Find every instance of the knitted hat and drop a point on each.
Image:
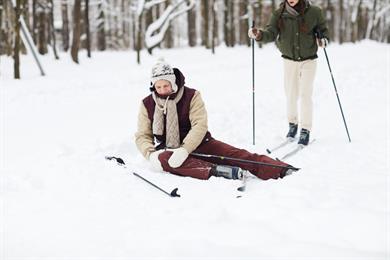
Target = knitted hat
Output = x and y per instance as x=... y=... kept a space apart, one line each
x=162 y=70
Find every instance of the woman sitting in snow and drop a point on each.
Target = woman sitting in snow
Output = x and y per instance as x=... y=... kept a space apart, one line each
x=175 y=116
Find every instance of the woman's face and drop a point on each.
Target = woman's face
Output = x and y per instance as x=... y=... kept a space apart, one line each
x=292 y=3
x=163 y=87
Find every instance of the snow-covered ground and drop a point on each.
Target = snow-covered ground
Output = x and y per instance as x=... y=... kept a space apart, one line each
x=61 y=200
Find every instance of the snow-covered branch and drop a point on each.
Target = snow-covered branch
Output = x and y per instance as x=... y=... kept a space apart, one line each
x=156 y=31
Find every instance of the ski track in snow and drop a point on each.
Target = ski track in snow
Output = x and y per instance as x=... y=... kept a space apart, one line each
x=61 y=200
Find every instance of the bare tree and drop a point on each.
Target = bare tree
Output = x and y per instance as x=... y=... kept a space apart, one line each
x=17 y=40
x=355 y=20
x=76 y=31
x=370 y=25
x=213 y=15
x=35 y=21
x=52 y=29
x=341 y=21
x=243 y=21
x=101 y=34
x=65 y=25
x=87 y=30
x=191 y=16
x=42 y=27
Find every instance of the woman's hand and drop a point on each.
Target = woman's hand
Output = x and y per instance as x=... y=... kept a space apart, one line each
x=155 y=162
x=178 y=157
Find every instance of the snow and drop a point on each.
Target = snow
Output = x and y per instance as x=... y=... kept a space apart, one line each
x=61 y=200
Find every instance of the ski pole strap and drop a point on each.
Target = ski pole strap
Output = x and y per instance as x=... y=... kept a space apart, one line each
x=244 y=161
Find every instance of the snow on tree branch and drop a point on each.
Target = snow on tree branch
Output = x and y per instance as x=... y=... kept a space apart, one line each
x=156 y=31
x=146 y=5
x=381 y=13
x=150 y=4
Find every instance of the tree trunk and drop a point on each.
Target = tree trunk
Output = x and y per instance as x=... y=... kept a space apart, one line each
x=355 y=22
x=370 y=26
x=205 y=23
x=53 y=30
x=228 y=23
x=244 y=39
x=341 y=21
x=138 y=45
x=1 y=28
x=17 y=40
x=329 y=16
x=76 y=31
x=35 y=21
x=214 y=27
x=169 y=34
x=101 y=34
x=87 y=31
x=9 y=29
x=65 y=25
x=232 y=36
x=125 y=24
x=42 y=32
x=191 y=16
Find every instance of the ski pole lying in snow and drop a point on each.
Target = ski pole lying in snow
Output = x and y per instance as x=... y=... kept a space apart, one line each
x=320 y=35
x=173 y=193
x=244 y=161
x=120 y=161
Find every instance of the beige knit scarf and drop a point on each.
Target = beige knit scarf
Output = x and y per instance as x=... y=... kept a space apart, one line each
x=167 y=107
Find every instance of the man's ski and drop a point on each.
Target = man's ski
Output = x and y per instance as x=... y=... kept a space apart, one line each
x=294 y=151
x=282 y=144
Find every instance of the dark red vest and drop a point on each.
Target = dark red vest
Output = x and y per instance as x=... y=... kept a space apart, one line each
x=183 y=112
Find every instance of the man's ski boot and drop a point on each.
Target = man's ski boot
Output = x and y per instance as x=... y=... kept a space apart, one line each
x=304 y=137
x=292 y=131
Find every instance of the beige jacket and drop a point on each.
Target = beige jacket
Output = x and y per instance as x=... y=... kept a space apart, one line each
x=198 y=117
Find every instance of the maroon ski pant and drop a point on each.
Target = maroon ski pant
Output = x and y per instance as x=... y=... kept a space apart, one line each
x=199 y=167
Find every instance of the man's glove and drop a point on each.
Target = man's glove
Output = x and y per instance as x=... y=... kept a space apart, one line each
x=255 y=34
x=178 y=157
x=323 y=42
x=155 y=162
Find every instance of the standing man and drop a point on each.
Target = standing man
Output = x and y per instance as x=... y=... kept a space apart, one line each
x=293 y=26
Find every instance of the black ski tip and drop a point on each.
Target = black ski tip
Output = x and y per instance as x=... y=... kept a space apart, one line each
x=268 y=151
x=174 y=193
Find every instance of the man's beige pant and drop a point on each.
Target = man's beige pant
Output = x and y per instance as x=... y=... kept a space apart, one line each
x=298 y=86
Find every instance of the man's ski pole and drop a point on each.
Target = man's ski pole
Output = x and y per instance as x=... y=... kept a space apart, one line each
x=320 y=35
x=244 y=161
x=253 y=87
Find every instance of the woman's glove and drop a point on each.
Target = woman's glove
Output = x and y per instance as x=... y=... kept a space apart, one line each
x=155 y=162
x=254 y=33
x=178 y=157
